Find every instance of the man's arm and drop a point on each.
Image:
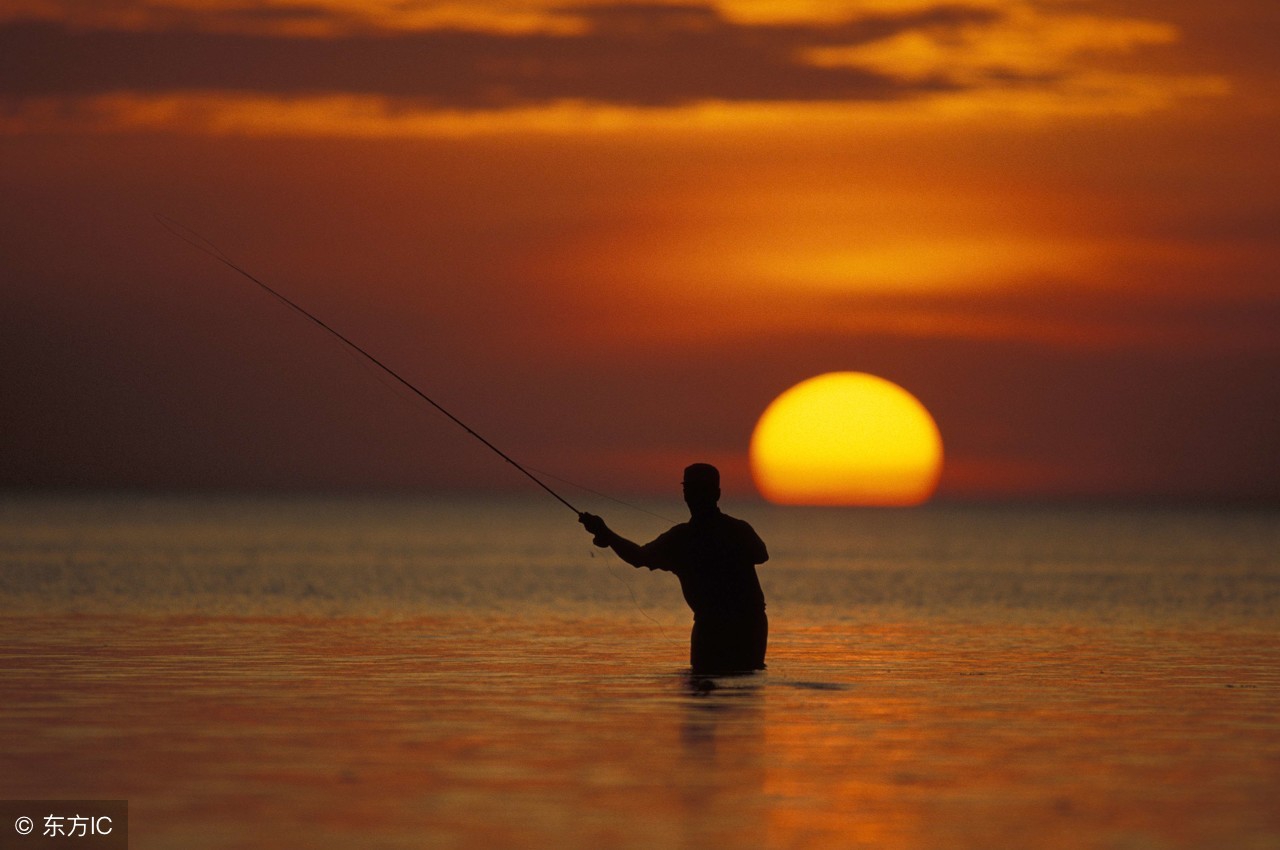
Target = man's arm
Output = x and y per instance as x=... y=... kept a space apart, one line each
x=607 y=538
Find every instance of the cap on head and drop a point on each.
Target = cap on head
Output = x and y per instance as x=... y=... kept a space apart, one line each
x=702 y=476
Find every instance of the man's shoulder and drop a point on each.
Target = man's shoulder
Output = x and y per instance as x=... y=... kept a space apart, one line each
x=672 y=534
x=744 y=536
x=721 y=524
x=737 y=524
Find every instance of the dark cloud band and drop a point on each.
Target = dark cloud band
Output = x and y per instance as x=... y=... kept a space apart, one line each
x=633 y=55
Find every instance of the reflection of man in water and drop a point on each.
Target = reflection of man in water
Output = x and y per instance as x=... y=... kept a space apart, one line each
x=715 y=558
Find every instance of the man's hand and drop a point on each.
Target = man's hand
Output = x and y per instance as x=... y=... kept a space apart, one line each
x=599 y=531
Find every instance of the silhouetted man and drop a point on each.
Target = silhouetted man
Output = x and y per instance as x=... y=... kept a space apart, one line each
x=715 y=557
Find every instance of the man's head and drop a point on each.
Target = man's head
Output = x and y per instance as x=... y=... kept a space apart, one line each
x=701 y=486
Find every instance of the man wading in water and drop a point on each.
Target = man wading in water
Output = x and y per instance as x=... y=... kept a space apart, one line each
x=715 y=557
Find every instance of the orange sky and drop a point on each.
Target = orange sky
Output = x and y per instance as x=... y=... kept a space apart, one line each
x=608 y=234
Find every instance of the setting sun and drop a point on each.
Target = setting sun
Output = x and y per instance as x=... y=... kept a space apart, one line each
x=846 y=438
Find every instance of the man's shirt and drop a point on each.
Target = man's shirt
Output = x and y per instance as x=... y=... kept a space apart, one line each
x=715 y=559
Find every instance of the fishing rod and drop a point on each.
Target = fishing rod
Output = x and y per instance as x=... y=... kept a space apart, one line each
x=197 y=241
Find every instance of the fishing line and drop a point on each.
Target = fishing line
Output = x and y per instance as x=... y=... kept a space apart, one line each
x=609 y=564
x=197 y=241
x=605 y=496
x=636 y=602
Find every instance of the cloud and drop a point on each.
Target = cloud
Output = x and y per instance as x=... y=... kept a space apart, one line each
x=640 y=55
x=329 y=68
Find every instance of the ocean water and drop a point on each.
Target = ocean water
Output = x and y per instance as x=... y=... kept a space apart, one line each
x=471 y=673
